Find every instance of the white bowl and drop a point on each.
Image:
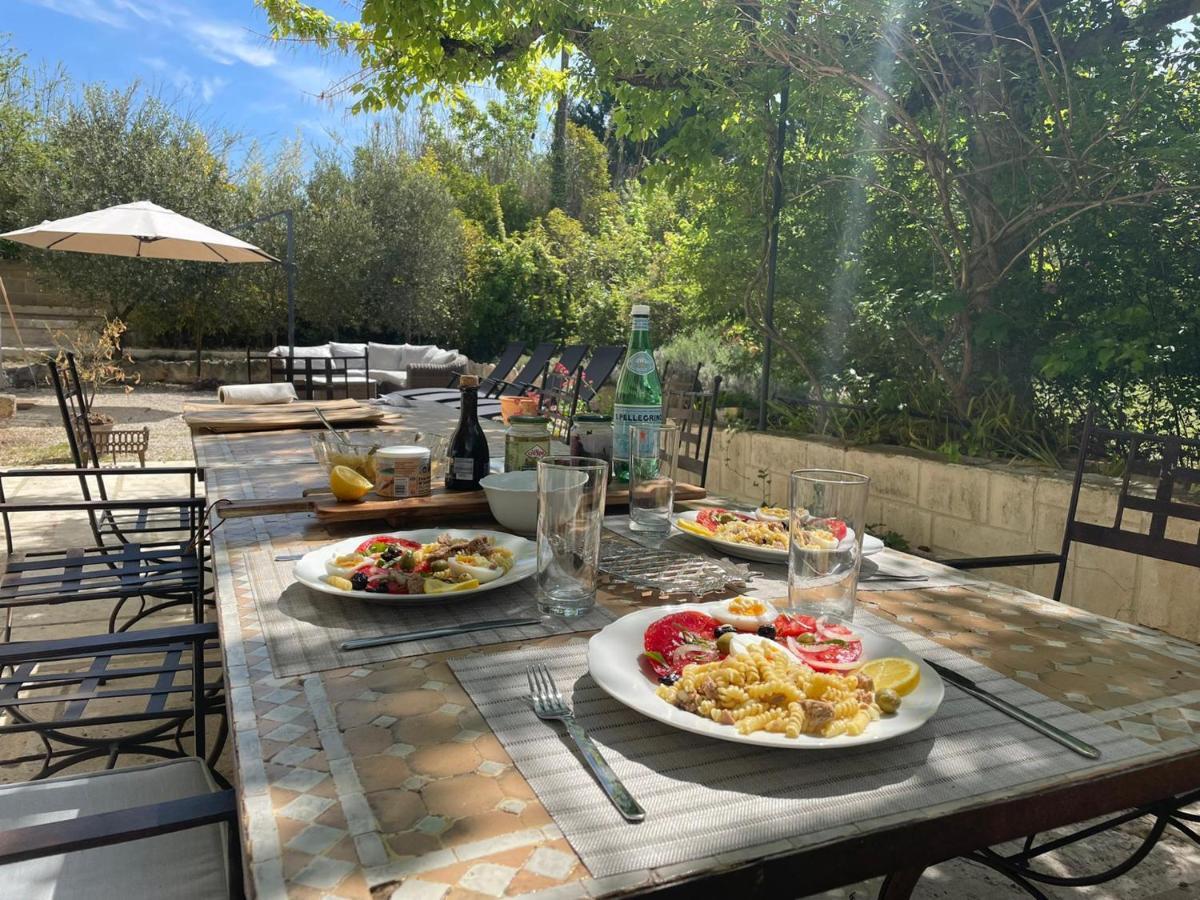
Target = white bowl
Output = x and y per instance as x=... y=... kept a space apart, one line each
x=513 y=499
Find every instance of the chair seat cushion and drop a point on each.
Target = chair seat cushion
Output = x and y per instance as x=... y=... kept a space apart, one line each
x=388 y=377
x=185 y=865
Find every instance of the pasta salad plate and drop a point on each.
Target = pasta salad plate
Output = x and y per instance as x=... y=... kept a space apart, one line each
x=739 y=670
x=756 y=537
x=429 y=565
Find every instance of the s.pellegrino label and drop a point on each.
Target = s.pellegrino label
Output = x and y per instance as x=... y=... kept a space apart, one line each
x=639 y=397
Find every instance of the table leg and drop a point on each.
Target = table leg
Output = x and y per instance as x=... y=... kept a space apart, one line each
x=899 y=884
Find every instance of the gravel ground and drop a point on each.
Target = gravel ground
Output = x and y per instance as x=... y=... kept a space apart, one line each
x=35 y=435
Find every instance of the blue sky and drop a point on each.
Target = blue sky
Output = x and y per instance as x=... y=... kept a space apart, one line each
x=211 y=57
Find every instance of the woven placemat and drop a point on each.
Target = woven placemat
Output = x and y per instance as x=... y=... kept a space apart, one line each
x=303 y=628
x=706 y=797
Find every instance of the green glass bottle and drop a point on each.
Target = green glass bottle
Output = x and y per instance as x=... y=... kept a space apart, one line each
x=639 y=391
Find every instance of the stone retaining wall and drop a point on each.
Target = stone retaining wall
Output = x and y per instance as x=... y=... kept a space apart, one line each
x=978 y=509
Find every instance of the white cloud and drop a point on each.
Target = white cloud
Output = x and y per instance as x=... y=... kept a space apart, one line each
x=305 y=78
x=88 y=10
x=209 y=87
x=227 y=43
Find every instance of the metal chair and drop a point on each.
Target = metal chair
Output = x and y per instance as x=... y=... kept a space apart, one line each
x=325 y=377
x=125 y=831
x=158 y=575
x=1157 y=475
x=598 y=370
x=695 y=411
x=143 y=525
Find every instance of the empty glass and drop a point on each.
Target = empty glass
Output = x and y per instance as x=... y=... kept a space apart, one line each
x=653 y=455
x=827 y=513
x=571 y=494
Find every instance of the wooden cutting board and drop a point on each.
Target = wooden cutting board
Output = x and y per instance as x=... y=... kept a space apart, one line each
x=441 y=504
x=216 y=418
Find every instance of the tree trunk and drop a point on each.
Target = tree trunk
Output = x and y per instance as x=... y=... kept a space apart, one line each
x=558 y=148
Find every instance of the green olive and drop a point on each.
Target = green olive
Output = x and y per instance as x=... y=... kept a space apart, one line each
x=888 y=701
x=439 y=565
x=725 y=518
x=408 y=562
x=806 y=637
x=725 y=642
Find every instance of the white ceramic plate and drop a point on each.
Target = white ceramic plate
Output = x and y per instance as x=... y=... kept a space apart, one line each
x=613 y=660
x=310 y=568
x=871 y=544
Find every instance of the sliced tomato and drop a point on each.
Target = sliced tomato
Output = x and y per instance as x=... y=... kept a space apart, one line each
x=835 y=631
x=381 y=542
x=670 y=643
x=834 y=656
x=707 y=518
x=836 y=527
x=788 y=625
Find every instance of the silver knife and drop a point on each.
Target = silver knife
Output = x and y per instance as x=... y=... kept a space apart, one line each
x=966 y=685
x=405 y=637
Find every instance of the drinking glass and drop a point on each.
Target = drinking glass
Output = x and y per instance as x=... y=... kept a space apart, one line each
x=571 y=493
x=827 y=513
x=653 y=455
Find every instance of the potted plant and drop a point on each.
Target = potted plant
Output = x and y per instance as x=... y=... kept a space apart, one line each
x=100 y=362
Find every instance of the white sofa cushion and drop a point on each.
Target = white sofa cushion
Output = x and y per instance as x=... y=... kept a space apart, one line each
x=386 y=356
x=340 y=350
x=443 y=357
x=319 y=352
x=185 y=865
x=389 y=377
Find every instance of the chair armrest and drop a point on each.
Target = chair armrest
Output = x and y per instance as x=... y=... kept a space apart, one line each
x=92 y=470
x=996 y=562
x=119 y=826
x=15 y=653
x=196 y=503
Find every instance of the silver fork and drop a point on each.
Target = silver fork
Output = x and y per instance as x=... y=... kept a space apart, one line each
x=548 y=703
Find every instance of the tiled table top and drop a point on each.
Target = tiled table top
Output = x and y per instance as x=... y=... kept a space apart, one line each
x=385 y=781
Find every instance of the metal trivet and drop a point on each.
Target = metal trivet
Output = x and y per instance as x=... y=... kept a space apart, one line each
x=670 y=571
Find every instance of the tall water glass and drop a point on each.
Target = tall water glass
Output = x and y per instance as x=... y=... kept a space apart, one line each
x=828 y=509
x=653 y=456
x=571 y=492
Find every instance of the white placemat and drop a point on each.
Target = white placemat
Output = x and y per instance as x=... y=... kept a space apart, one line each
x=704 y=797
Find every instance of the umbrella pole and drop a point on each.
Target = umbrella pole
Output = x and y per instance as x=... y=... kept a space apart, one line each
x=290 y=262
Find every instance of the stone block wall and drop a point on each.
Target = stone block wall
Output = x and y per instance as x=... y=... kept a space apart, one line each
x=980 y=509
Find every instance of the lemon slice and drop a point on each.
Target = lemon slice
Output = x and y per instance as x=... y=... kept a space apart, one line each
x=437 y=586
x=898 y=674
x=347 y=484
x=688 y=525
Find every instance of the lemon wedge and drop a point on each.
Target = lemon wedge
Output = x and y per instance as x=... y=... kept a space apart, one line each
x=688 y=525
x=894 y=673
x=437 y=586
x=347 y=484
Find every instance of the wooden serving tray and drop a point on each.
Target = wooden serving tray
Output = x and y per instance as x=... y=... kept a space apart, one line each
x=215 y=418
x=441 y=504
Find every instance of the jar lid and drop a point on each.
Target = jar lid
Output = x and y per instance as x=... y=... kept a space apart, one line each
x=528 y=420
x=592 y=417
x=405 y=452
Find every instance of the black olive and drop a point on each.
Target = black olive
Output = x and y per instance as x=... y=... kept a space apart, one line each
x=358 y=581
x=723 y=629
x=767 y=631
x=390 y=553
x=669 y=679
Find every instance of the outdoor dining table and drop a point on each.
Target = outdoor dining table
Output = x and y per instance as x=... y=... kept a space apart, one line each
x=377 y=775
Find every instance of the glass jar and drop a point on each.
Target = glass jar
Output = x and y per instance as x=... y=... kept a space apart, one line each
x=526 y=441
x=403 y=472
x=592 y=436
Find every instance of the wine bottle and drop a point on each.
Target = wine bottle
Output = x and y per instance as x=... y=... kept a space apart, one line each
x=467 y=455
x=639 y=391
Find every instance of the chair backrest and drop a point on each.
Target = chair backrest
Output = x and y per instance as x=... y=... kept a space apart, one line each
x=503 y=367
x=318 y=378
x=1159 y=483
x=599 y=369
x=695 y=413
x=73 y=408
x=539 y=358
x=681 y=378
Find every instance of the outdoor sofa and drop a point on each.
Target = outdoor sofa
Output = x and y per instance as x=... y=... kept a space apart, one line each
x=360 y=369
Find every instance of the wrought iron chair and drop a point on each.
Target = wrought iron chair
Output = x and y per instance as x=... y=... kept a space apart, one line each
x=599 y=369
x=158 y=575
x=124 y=831
x=561 y=397
x=1157 y=475
x=325 y=378
x=695 y=411
x=142 y=525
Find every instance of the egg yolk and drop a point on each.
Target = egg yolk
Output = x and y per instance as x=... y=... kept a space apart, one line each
x=747 y=607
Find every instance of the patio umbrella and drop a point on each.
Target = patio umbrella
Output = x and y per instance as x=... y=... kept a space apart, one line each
x=142 y=229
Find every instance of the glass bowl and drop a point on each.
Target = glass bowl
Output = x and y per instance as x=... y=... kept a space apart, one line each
x=358 y=453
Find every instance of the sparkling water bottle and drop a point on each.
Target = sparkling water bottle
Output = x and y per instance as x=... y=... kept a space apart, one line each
x=639 y=391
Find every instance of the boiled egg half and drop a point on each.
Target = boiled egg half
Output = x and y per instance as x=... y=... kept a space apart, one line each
x=343 y=566
x=744 y=613
x=739 y=645
x=478 y=567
